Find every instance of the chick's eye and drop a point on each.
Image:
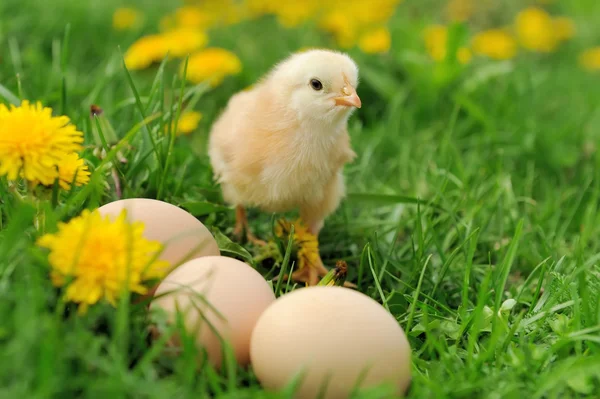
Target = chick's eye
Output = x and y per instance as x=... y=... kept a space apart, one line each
x=316 y=84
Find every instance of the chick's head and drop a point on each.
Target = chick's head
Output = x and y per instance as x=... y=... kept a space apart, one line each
x=319 y=84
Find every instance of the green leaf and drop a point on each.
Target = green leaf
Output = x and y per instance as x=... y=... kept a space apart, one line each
x=381 y=80
x=200 y=208
x=581 y=383
x=388 y=199
x=559 y=324
x=507 y=263
x=9 y=96
x=507 y=305
x=230 y=248
x=451 y=329
x=458 y=34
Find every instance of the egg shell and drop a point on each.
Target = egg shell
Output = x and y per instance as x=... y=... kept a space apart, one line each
x=321 y=330
x=183 y=236
x=238 y=293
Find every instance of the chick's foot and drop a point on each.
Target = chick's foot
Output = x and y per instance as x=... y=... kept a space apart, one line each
x=311 y=274
x=241 y=226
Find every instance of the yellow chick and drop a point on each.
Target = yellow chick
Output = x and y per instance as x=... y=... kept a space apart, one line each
x=282 y=145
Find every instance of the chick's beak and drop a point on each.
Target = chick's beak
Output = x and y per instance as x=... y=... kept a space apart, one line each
x=349 y=98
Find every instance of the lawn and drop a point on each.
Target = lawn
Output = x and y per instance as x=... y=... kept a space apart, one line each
x=471 y=214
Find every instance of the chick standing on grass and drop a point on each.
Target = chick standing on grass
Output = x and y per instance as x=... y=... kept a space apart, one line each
x=283 y=144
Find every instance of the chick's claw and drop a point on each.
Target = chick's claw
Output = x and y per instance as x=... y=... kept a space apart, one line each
x=312 y=273
x=310 y=265
x=255 y=240
x=307 y=275
x=251 y=238
x=241 y=226
x=311 y=277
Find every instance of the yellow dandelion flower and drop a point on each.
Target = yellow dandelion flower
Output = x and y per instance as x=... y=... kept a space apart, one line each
x=72 y=167
x=33 y=142
x=347 y=20
x=308 y=251
x=307 y=243
x=233 y=15
x=590 y=59
x=225 y=12
x=364 y=13
x=166 y=23
x=183 y=41
x=535 y=30
x=146 y=51
x=495 y=43
x=177 y=42
x=464 y=55
x=564 y=28
x=236 y=15
x=436 y=42
x=342 y=27
x=125 y=18
x=97 y=258
x=205 y=14
x=213 y=65
x=436 y=37
x=460 y=10
x=188 y=122
x=376 y=41
x=290 y=14
x=257 y=8
x=193 y=17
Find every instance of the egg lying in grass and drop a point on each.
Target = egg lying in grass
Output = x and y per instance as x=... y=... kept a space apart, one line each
x=219 y=298
x=183 y=236
x=332 y=338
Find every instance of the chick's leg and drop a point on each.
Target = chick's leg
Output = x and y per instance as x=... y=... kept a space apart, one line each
x=240 y=221
x=241 y=225
x=313 y=216
x=315 y=269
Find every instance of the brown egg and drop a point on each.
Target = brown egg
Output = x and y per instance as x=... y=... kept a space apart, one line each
x=337 y=336
x=233 y=290
x=184 y=236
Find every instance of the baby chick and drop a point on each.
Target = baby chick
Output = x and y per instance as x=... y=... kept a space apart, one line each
x=282 y=145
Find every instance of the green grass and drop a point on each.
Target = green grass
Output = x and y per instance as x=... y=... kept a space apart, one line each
x=472 y=212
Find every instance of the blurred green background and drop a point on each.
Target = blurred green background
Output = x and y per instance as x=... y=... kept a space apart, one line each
x=494 y=138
